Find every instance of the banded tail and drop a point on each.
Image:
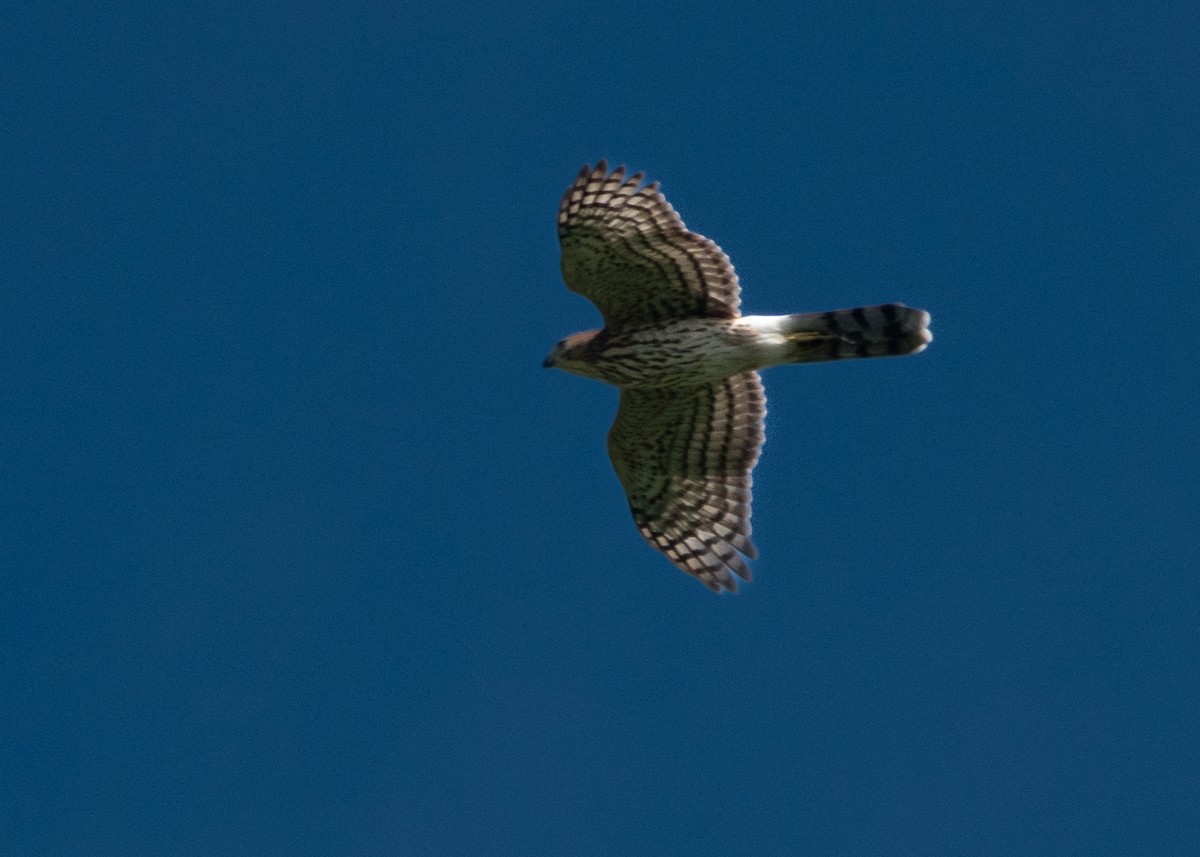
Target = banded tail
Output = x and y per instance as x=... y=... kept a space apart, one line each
x=887 y=330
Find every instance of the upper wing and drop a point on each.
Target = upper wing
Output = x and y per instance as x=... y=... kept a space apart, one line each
x=684 y=458
x=625 y=249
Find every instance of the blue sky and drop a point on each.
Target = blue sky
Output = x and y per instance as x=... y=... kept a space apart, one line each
x=306 y=554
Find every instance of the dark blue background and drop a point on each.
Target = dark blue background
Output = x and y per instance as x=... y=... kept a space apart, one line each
x=304 y=554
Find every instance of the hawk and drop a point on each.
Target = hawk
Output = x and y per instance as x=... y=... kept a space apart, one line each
x=689 y=426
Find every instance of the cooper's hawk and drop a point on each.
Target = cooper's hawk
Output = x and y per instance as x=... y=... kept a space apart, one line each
x=690 y=423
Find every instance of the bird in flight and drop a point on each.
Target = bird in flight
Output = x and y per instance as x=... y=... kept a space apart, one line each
x=689 y=426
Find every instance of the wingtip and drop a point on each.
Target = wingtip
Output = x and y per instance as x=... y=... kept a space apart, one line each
x=601 y=171
x=720 y=584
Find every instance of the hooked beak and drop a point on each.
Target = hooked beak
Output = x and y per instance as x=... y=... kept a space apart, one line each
x=548 y=363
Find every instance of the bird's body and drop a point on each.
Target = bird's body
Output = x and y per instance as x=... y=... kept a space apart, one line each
x=691 y=351
x=690 y=424
x=679 y=353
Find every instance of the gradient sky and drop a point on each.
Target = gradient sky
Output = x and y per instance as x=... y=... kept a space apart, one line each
x=304 y=553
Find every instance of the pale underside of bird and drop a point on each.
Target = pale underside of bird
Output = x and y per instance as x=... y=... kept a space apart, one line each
x=689 y=426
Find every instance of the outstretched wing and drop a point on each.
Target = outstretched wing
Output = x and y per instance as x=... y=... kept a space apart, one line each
x=684 y=457
x=626 y=250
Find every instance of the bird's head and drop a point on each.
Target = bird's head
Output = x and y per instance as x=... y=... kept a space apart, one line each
x=572 y=354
